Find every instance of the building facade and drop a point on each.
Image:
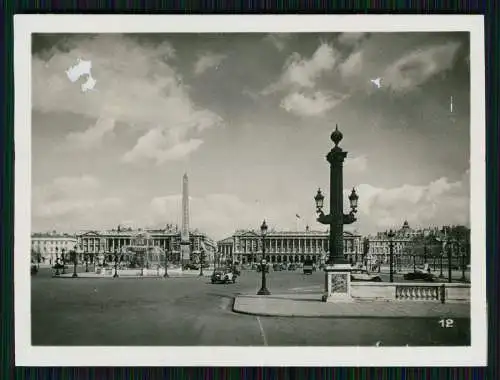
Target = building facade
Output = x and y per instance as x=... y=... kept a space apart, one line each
x=51 y=245
x=245 y=246
x=167 y=240
x=404 y=248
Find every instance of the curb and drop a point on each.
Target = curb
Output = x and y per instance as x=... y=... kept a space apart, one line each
x=348 y=316
x=123 y=277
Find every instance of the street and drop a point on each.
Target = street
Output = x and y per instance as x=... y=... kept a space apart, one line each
x=192 y=311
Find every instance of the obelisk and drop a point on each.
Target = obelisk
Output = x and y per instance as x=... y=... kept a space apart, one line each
x=185 y=244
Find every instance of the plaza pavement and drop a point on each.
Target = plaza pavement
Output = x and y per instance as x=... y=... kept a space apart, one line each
x=190 y=311
x=309 y=305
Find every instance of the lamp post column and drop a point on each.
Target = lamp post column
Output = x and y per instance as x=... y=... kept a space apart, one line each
x=450 y=245
x=166 y=265
x=390 y=235
x=74 y=263
x=263 y=289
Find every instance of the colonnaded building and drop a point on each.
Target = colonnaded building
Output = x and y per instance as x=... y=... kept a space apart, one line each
x=46 y=246
x=165 y=241
x=245 y=246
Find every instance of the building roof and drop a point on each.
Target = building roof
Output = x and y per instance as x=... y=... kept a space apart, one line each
x=275 y=233
x=53 y=235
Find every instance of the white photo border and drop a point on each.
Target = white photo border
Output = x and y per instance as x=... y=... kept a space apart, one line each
x=28 y=355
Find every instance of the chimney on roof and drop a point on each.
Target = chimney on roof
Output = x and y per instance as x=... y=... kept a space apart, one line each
x=307 y=228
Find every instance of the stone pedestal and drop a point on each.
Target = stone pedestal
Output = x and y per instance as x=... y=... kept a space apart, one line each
x=337 y=283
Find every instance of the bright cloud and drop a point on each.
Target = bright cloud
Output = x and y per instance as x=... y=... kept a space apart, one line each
x=207 y=61
x=93 y=136
x=437 y=203
x=352 y=66
x=419 y=66
x=70 y=196
x=303 y=104
x=138 y=86
x=350 y=39
x=279 y=40
x=357 y=164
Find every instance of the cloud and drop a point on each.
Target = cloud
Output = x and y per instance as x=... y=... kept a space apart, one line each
x=207 y=61
x=314 y=104
x=279 y=40
x=93 y=136
x=357 y=164
x=71 y=196
x=220 y=214
x=419 y=66
x=352 y=66
x=161 y=146
x=352 y=38
x=438 y=203
x=299 y=72
x=137 y=85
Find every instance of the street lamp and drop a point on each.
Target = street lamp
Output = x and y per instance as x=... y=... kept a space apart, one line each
x=74 y=262
x=263 y=289
x=116 y=264
x=441 y=265
x=336 y=219
x=166 y=265
x=391 y=235
x=202 y=257
x=86 y=256
x=462 y=263
x=449 y=252
x=63 y=261
x=57 y=261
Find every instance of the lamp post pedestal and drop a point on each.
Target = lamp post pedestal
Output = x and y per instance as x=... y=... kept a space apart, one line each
x=337 y=283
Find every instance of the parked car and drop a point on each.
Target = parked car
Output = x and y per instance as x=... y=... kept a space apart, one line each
x=419 y=275
x=283 y=266
x=292 y=267
x=223 y=277
x=364 y=275
x=308 y=267
x=276 y=267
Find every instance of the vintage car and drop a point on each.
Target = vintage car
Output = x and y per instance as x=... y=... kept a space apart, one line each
x=292 y=267
x=423 y=273
x=277 y=267
x=419 y=275
x=364 y=275
x=308 y=267
x=223 y=277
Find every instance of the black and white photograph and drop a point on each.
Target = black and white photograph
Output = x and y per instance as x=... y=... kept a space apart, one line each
x=237 y=190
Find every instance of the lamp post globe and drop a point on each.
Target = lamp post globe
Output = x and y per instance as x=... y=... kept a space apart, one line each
x=263 y=263
x=353 y=200
x=319 y=199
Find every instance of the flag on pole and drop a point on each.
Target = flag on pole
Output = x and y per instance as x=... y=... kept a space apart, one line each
x=297 y=216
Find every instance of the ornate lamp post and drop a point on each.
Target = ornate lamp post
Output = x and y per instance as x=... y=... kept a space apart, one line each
x=263 y=289
x=63 y=261
x=441 y=265
x=86 y=258
x=165 y=275
x=391 y=235
x=462 y=263
x=75 y=259
x=449 y=252
x=57 y=261
x=336 y=219
x=202 y=261
x=116 y=264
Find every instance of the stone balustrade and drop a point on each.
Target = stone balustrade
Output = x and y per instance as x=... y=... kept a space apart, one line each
x=437 y=292
x=418 y=292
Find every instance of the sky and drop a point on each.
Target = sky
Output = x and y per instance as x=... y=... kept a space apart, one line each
x=248 y=117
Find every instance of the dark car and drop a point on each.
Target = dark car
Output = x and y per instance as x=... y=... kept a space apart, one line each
x=419 y=275
x=223 y=277
x=308 y=267
x=292 y=267
x=364 y=275
x=276 y=267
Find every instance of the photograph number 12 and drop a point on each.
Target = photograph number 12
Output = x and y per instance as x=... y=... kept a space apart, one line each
x=229 y=191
